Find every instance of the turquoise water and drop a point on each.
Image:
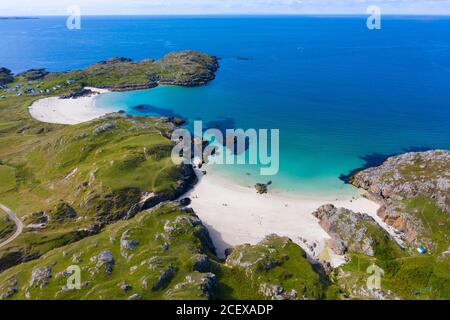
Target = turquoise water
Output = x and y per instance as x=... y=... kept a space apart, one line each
x=336 y=90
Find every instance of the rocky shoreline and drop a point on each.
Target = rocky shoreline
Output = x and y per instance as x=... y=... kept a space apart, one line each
x=407 y=176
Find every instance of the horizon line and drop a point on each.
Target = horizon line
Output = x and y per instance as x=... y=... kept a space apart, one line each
x=229 y=14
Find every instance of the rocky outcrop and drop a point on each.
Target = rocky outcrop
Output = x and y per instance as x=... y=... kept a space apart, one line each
x=176 y=121
x=135 y=297
x=127 y=244
x=272 y=270
x=276 y=292
x=77 y=93
x=104 y=263
x=261 y=188
x=129 y=86
x=9 y=288
x=195 y=286
x=184 y=225
x=114 y=60
x=410 y=175
x=407 y=176
x=6 y=76
x=37 y=218
x=33 y=74
x=104 y=127
x=62 y=212
x=187 y=68
x=355 y=232
x=201 y=263
x=159 y=275
x=40 y=277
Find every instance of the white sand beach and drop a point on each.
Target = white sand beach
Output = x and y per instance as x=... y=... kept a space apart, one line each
x=236 y=215
x=67 y=111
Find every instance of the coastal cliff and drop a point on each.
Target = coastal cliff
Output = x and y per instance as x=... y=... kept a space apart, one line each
x=407 y=186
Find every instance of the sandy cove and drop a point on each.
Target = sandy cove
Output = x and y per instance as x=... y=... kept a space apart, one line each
x=67 y=111
x=236 y=214
x=232 y=213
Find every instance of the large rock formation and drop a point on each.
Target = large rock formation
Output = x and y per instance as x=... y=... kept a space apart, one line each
x=33 y=74
x=278 y=269
x=355 y=232
x=6 y=76
x=414 y=175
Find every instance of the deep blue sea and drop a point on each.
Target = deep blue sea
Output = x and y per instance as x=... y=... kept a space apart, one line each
x=336 y=90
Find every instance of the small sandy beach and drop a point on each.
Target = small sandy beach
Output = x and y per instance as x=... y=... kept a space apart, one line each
x=236 y=214
x=67 y=111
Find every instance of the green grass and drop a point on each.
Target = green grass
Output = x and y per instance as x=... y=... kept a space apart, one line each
x=274 y=261
x=99 y=175
x=410 y=275
x=184 y=241
x=234 y=284
x=435 y=221
x=7 y=178
x=144 y=228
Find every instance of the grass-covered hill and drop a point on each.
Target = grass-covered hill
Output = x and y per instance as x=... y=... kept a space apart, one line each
x=72 y=181
x=166 y=253
x=68 y=182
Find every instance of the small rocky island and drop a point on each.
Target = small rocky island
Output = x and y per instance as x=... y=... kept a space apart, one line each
x=182 y=68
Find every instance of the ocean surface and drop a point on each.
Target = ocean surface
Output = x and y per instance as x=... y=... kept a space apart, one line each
x=338 y=92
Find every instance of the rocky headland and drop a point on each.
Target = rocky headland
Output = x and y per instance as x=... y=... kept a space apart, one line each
x=424 y=176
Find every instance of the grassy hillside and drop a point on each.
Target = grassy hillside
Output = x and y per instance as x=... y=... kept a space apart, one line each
x=407 y=274
x=276 y=268
x=67 y=182
x=79 y=178
x=414 y=191
x=164 y=253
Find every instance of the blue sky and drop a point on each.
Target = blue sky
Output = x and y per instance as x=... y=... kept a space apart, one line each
x=149 y=7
